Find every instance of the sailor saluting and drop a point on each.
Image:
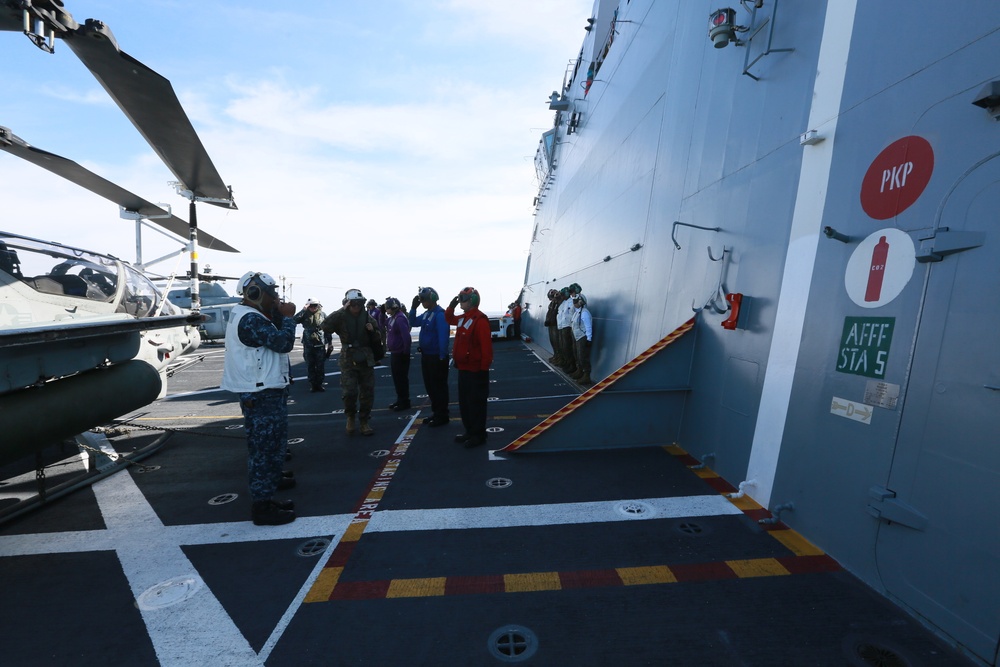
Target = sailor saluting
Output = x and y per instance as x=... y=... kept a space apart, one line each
x=259 y=337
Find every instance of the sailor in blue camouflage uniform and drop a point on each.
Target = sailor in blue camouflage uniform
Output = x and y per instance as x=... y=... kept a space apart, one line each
x=315 y=343
x=260 y=334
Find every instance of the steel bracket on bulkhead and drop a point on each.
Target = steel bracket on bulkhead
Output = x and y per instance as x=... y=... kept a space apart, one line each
x=887 y=507
x=943 y=242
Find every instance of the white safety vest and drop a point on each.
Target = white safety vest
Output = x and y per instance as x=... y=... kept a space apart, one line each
x=564 y=316
x=251 y=369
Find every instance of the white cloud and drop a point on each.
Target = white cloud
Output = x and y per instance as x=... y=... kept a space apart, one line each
x=391 y=155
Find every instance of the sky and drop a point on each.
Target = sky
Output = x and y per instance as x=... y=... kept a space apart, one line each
x=382 y=145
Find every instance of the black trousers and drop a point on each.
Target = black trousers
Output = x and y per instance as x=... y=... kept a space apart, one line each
x=582 y=351
x=566 y=342
x=435 y=372
x=399 y=364
x=473 y=390
x=315 y=357
x=554 y=340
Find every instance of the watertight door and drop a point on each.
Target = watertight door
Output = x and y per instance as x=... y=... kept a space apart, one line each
x=938 y=545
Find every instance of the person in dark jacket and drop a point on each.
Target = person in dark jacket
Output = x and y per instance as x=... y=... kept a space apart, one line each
x=555 y=299
x=377 y=313
x=398 y=344
x=473 y=356
x=515 y=314
x=314 y=343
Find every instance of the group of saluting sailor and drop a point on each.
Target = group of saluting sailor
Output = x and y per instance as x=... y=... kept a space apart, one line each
x=571 y=332
x=261 y=333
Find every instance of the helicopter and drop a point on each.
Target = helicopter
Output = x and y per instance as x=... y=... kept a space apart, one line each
x=216 y=304
x=84 y=336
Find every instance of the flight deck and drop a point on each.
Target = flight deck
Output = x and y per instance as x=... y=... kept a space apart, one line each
x=410 y=549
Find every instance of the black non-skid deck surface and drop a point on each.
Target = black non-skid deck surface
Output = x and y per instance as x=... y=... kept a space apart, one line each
x=540 y=559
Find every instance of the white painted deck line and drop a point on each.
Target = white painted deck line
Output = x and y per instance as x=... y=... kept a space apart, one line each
x=197 y=631
x=129 y=533
x=208 y=533
x=511 y=516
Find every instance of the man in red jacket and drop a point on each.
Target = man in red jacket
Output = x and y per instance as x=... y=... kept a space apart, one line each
x=473 y=355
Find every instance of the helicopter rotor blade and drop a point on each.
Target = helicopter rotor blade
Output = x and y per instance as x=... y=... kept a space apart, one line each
x=149 y=101
x=87 y=179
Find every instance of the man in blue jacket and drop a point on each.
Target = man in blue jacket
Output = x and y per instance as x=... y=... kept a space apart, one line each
x=433 y=346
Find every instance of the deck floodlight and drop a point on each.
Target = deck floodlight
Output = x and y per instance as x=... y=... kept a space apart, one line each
x=557 y=103
x=590 y=25
x=722 y=27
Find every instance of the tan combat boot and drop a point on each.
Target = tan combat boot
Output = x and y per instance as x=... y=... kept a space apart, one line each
x=350 y=424
x=365 y=428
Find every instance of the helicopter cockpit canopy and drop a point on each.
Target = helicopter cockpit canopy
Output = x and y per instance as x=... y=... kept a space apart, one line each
x=51 y=268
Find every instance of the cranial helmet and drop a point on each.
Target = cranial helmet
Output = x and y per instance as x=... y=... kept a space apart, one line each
x=564 y=292
x=469 y=294
x=553 y=293
x=581 y=299
x=428 y=294
x=371 y=304
x=354 y=295
x=392 y=303
x=575 y=288
x=253 y=285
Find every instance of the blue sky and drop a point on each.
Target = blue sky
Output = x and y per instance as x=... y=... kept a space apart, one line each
x=378 y=145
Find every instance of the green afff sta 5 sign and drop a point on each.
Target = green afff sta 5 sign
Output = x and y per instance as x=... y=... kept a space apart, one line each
x=864 y=346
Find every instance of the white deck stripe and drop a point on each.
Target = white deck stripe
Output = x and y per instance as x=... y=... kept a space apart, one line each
x=197 y=631
x=507 y=516
x=510 y=516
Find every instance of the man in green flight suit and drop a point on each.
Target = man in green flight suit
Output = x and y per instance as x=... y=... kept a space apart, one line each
x=355 y=328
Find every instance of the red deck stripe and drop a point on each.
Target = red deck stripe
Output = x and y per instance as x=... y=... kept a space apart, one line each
x=590 y=579
x=474 y=585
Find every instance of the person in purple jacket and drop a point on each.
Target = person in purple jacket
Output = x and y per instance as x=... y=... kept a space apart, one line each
x=398 y=344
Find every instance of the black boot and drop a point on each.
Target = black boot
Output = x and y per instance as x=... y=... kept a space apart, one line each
x=266 y=513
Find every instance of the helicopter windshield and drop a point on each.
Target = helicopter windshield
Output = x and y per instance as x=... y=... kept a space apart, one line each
x=142 y=297
x=55 y=269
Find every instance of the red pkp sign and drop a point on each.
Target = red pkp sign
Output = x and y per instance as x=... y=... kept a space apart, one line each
x=897 y=177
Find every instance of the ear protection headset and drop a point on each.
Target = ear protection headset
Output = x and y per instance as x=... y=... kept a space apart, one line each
x=253 y=293
x=255 y=287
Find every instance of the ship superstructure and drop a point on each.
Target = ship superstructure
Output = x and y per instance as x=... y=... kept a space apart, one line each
x=815 y=183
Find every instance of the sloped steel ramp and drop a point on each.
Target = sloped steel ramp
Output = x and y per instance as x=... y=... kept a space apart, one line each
x=655 y=383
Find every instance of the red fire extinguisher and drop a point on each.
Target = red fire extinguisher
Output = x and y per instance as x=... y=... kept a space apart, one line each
x=877 y=272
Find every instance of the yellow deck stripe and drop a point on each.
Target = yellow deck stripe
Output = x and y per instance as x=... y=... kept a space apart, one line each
x=534 y=581
x=640 y=576
x=323 y=587
x=797 y=544
x=758 y=567
x=416 y=588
